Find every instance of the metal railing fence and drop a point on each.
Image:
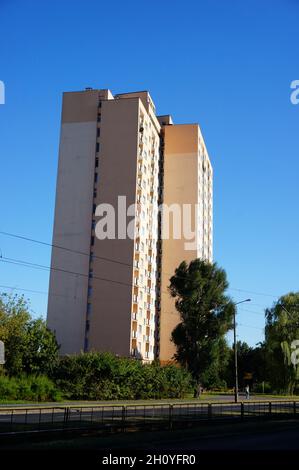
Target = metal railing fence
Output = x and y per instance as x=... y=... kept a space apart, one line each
x=116 y=418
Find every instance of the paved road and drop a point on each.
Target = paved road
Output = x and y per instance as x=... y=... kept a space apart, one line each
x=286 y=439
x=77 y=416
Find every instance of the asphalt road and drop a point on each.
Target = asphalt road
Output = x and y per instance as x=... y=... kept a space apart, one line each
x=278 y=440
x=106 y=414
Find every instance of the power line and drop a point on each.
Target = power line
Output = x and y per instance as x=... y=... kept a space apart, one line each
x=250 y=326
x=36 y=266
x=255 y=293
x=61 y=295
x=258 y=305
x=250 y=311
x=27 y=264
x=32 y=291
x=46 y=293
x=33 y=240
x=21 y=263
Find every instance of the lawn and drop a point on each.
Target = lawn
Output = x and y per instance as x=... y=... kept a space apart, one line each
x=210 y=397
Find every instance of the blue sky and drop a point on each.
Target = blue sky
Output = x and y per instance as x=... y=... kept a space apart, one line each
x=225 y=64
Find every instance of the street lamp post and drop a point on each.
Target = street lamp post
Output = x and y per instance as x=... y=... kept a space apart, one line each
x=236 y=352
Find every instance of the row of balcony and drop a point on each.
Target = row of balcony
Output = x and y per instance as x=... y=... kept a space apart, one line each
x=135 y=318
x=135 y=353
x=136 y=335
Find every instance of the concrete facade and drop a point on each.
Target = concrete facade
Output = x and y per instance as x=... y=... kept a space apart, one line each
x=111 y=294
x=184 y=157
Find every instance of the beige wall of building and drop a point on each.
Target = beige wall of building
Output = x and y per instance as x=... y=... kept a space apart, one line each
x=111 y=302
x=73 y=210
x=184 y=157
x=111 y=147
x=121 y=315
x=180 y=187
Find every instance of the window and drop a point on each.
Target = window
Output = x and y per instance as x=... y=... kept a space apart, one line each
x=89 y=292
x=94 y=208
x=97 y=162
x=97 y=147
x=95 y=177
x=87 y=325
x=98 y=132
x=92 y=241
x=99 y=118
x=88 y=311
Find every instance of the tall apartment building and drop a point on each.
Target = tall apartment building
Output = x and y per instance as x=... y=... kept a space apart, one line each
x=110 y=294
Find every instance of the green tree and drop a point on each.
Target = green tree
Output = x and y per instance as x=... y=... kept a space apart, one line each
x=206 y=315
x=251 y=360
x=30 y=347
x=41 y=349
x=282 y=328
x=14 y=318
x=215 y=375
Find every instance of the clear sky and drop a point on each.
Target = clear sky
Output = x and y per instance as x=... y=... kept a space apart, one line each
x=225 y=64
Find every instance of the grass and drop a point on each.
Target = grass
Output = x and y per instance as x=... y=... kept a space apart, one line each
x=210 y=396
x=16 y=402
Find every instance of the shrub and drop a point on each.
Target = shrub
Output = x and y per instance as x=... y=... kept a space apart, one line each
x=8 y=388
x=29 y=388
x=260 y=388
x=103 y=376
